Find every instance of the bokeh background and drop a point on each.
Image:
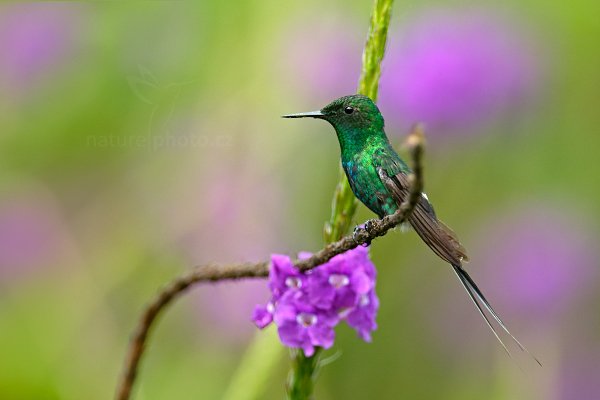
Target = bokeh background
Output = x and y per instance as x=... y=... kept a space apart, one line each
x=138 y=139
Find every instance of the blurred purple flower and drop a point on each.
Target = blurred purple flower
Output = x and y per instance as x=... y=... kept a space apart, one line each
x=32 y=233
x=579 y=373
x=34 y=37
x=307 y=306
x=238 y=216
x=456 y=71
x=225 y=307
x=239 y=203
x=538 y=260
x=321 y=58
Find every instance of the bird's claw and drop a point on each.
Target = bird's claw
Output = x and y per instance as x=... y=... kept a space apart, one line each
x=357 y=231
x=367 y=227
x=370 y=224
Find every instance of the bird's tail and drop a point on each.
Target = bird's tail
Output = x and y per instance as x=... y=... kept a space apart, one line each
x=444 y=242
x=479 y=299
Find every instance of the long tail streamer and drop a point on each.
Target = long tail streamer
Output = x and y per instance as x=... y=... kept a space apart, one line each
x=477 y=297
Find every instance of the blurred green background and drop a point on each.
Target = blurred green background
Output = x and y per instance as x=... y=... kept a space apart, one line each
x=138 y=139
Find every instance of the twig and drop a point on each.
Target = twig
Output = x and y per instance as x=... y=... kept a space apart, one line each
x=205 y=273
x=215 y=273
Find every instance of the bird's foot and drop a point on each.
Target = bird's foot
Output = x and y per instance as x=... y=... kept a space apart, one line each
x=367 y=227
x=357 y=230
x=370 y=224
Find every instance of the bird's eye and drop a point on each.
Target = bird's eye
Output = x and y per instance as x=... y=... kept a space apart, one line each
x=349 y=110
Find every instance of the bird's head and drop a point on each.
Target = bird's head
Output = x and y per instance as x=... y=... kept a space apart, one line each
x=348 y=115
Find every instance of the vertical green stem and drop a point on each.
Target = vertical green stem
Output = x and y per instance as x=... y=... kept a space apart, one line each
x=302 y=376
x=344 y=203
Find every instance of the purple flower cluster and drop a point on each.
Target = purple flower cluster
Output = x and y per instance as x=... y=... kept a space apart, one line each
x=459 y=71
x=307 y=306
x=35 y=38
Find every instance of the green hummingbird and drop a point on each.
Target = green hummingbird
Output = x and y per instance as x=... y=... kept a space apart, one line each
x=379 y=179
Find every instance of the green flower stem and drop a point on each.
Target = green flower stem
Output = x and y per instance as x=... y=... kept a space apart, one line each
x=302 y=376
x=344 y=202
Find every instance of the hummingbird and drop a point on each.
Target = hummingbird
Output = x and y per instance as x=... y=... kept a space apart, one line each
x=379 y=179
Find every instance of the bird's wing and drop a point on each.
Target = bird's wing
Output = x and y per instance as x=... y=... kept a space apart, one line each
x=441 y=239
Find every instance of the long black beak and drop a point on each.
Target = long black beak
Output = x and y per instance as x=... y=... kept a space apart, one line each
x=311 y=114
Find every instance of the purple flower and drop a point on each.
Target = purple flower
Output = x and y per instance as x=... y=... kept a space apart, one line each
x=34 y=38
x=284 y=277
x=538 y=260
x=225 y=307
x=457 y=72
x=578 y=373
x=338 y=284
x=229 y=230
x=33 y=233
x=362 y=318
x=225 y=225
x=307 y=306
x=303 y=325
x=263 y=315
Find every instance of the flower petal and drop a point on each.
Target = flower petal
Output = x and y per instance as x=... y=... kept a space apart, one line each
x=262 y=316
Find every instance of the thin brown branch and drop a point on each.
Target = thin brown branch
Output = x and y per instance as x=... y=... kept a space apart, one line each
x=205 y=273
x=214 y=273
